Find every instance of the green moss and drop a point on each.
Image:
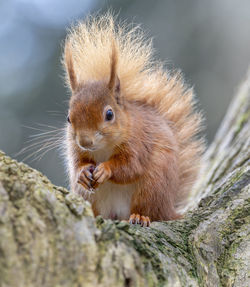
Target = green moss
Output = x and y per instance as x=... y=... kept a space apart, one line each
x=243 y=118
x=229 y=234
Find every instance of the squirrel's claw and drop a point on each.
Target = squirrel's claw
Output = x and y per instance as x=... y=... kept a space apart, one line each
x=102 y=173
x=85 y=179
x=144 y=221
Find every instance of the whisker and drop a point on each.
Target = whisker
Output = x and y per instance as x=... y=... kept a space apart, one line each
x=37 y=142
x=43 y=130
x=34 y=145
x=46 y=133
x=48 y=137
x=32 y=128
x=47 y=126
x=56 y=112
x=46 y=147
x=39 y=157
x=56 y=145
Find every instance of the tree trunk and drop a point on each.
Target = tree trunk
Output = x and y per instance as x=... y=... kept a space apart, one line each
x=49 y=237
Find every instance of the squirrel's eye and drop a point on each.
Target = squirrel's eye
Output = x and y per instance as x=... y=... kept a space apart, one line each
x=68 y=119
x=109 y=115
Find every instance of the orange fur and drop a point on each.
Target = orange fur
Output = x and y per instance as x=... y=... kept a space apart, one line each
x=151 y=147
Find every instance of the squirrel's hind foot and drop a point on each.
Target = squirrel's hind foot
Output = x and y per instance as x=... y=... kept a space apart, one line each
x=144 y=221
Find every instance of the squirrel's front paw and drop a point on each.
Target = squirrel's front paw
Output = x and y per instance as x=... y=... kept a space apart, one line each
x=102 y=172
x=85 y=177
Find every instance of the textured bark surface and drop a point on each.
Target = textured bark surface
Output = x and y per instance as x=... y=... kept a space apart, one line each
x=49 y=237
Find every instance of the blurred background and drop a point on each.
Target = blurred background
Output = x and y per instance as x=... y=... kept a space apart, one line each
x=208 y=40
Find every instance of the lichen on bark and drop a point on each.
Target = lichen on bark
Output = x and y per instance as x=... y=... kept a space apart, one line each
x=49 y=237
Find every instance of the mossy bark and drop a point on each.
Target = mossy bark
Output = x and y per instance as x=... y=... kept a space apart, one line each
x=49 y=237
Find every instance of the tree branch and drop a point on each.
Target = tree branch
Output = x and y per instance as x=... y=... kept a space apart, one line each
x=49 y=237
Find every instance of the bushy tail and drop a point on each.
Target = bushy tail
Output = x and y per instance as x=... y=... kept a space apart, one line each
x=142 y=78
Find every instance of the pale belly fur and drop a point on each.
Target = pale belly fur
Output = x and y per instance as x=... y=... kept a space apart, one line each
x=113 y=200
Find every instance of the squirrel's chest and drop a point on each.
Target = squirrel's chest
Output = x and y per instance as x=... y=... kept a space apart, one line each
x=113 y=200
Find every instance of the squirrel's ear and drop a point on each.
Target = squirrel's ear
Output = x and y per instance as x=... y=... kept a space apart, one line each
x=114 y=81
x=69 y=66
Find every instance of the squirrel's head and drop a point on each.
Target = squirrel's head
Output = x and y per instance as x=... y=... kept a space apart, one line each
x=96 y=118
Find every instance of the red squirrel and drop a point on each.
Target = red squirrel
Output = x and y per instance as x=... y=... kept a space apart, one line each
x=132 y=144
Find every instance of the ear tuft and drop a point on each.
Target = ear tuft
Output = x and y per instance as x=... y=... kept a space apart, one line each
x=117 y=85
x=117 y=90
x=114 y=81
x=113 y=72
x=69 y=66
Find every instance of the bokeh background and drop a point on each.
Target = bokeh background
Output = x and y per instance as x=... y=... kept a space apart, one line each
x=208 y=40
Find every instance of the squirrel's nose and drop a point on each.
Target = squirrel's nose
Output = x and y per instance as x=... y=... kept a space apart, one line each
x=85 y=142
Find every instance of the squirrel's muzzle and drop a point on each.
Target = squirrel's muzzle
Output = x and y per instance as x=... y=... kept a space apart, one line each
x=85 y=142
